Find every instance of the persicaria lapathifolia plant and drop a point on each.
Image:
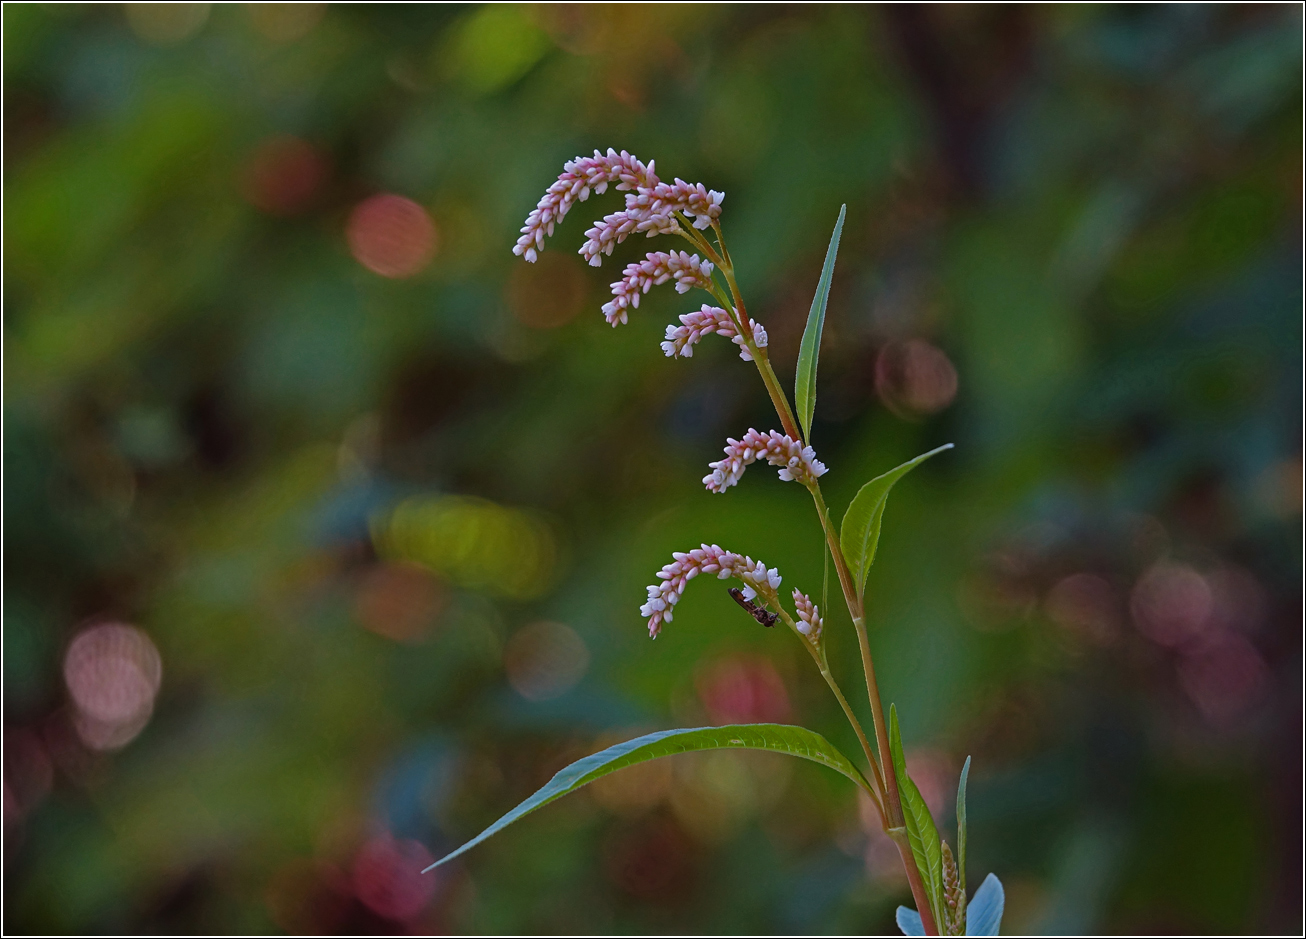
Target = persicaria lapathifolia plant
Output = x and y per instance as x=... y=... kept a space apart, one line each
x=936 y=872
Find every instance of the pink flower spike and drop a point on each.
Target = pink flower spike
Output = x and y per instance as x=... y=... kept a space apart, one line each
x=689 y=271
x=796 y=461
x=580 y=177
x=680 y=339
x=673 y=577
x=809 y=616
x=651 y=206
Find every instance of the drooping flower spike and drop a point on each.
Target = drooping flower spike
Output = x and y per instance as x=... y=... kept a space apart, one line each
x=796 y=461
x=651 y=205
x=707 y=559
x=652 y=211
x=689 y=271
x=579 y=178
x=711 y=319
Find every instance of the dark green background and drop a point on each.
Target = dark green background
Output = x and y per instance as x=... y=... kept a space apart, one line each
x=211 y=409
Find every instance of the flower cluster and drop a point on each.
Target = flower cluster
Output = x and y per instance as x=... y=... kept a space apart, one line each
x=689 y=270
x=651 y=205
x=711 y=319
x=809 y=616
x=579 y=178
x=796 y=461
x=707 y=559
x=652 y=210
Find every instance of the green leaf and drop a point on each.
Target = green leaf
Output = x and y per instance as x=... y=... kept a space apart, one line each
x=810 y=349
x=860 y=532
x=922 y=834
x=961 y=825
x=779 y=738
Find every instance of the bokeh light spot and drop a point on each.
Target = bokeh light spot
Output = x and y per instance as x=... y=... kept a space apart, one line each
x=914 y=378
x=472 y=542
x=112 y=671
x=545 y=660
x=282 y=175
x=1171 y=603
x=165 y=24
x=399 y=600
x=388 y=877
x=743 y=690
x=285 y=22
x=391 y=236
x=1086 y=606
x=1225 y=678
x=495 y=46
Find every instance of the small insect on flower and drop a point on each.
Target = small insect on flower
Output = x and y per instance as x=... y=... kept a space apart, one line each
x=762 y=615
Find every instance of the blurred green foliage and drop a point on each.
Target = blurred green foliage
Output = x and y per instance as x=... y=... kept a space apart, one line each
x=1073 y=247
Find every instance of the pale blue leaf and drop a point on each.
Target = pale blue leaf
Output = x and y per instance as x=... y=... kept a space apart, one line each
x=909 y=921
x=961 y=825
x=984 y=912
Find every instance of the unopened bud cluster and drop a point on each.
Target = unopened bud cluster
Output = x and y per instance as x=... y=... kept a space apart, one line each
x=707 y=559
x=689 y=271
x=809 y=616
x=579 y=178
x=954 y=905
x=652 y=211
x=651 y=205
x=712 y=319
x=796 y=461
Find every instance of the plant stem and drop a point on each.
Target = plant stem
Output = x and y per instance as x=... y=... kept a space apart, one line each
x=694 y=237
x=887 y=782
x=818 y=656
x=778 y=398
x=878 y=796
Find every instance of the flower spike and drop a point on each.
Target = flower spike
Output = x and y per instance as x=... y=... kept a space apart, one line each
x=651 y=205
x=809 y=617
x=689 y=270
x=757 y=578
x=694 y=326
x=579 y=178
x=796 y=461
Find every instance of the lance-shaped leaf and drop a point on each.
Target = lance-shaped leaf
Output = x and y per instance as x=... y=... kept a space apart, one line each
x=778 y=738
x=809 y=351
x=922 y=834
x=961 y=829
x=860 y=532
